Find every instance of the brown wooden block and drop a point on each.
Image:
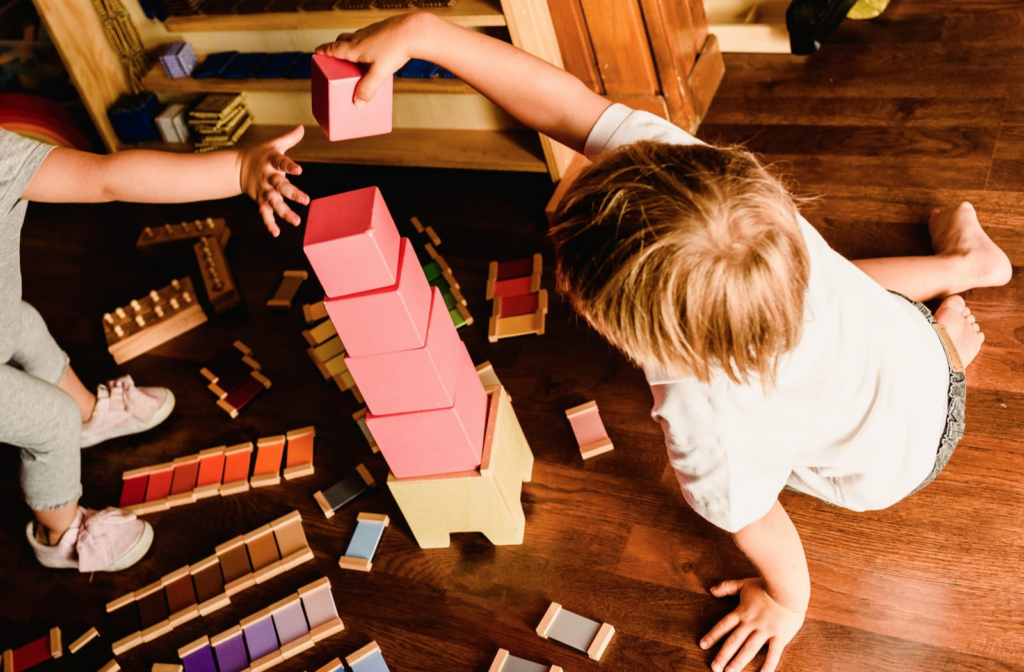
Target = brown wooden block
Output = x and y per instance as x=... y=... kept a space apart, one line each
x=216 y=274
x=286 y=291
x=155 y=239
x=314 y=312
x=234 y=565
x=87 y=636
x=152 y=320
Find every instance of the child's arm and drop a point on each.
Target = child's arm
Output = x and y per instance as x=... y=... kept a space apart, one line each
x=141 y=176
x=533 y=91
x=771 y=608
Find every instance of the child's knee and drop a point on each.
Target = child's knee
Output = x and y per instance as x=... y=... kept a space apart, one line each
x=58 y=426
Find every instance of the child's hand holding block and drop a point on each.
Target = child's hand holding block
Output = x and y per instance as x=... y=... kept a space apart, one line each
x=333 y=82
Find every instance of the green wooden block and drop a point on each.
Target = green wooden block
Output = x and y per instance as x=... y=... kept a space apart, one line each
x=432 y=270
x=457 y=318
x=449 y=301
x=442 y=284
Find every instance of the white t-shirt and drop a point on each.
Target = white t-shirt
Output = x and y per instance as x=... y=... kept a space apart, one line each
x=858 y=409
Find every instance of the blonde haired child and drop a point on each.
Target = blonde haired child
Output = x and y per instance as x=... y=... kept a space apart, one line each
x=773 y=361
x=45 y=410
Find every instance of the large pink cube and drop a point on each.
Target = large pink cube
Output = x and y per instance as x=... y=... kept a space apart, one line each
x=413 y=380
x=441 y=441
x=352 y=242
x=385 y=320
x=333 y=84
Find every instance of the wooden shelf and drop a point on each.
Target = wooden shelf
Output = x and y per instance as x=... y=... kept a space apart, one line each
x=464 y=13
x=411 y=147
x=157 y=80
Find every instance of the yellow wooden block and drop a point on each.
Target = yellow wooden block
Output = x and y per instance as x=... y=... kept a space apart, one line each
x=486 y=500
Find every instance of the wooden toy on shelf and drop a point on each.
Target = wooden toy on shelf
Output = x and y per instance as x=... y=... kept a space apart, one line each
x=234 y=380
x=485 y=500
x=201 y=589
x=156 y=239
x=589 y=430
x=270 y=636
x=217 y=471
x=216 y=274
x=152 y=320
x=505 y=662
x=286 y=291
x=573 y=630
x=363 y=545
x=367 y=659
x=344 y=491
x=520 y=305
x=333 y=84
x=47 y=647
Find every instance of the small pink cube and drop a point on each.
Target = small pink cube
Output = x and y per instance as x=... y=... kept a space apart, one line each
x=413 y=380
x=333 y=83
x=384 y=320
x=441 y=441
x=352 y=242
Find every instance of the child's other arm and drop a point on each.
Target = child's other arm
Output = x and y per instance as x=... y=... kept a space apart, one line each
x=538 y=94
x=142 y=176
x=771 y=608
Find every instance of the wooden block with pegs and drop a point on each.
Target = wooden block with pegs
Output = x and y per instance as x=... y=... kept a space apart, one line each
x=286 y=291
x=364 y=542
x=152 y=320
x=505 y=662
x=155 y=239
x=216 y=274
x=344 y=491
x=573 y=630
x=589 y=430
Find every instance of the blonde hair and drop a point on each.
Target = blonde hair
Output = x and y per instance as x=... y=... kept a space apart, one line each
x=687 y=257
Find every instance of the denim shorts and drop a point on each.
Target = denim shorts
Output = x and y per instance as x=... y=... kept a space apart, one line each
x=957 y=400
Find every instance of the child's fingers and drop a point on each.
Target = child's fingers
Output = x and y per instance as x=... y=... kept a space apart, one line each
x=370 y=82
x=289 y=140
x=289 y=190
x=285 y=165
x=721 y=629
x=729 y=649
x=282 y=209
x=749 y=650
x=771 y=661
x=267 y=213
x=730 y=587
x=342 y=49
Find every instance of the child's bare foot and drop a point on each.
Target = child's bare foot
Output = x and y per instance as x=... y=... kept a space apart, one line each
x=957 y=235
x=962 y=328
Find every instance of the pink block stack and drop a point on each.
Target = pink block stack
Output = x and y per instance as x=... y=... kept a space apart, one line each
x=427 y=408
x=333 y=84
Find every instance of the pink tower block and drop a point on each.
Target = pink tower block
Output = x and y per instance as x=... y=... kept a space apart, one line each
x=333 y=83
x=385 y=320
x=441 y=441
x=352 y=242
x=413 y=380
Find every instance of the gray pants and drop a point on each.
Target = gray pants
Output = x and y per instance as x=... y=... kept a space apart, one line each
x=36 y=415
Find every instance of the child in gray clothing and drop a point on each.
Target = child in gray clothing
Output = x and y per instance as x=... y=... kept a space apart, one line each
x=44 y=408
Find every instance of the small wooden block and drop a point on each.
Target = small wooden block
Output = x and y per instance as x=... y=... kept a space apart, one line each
x=216 y=274
x=549 y=618
x=204 y=491
x=56 y=650
x=165 y=667
x=298 y=471
x=600 y=643
x=126 y=644
x=589 y=430
x=148 y=507
x=358 y=564
x=265 y=480
x=184 y=616
x=314 y=312
x=321 y=333
x=504 y=662
x=266 y=662
x=192 y=647
x=233 y=488
x=331 y=627
x=88 y=636
x=112 y=666
x=297 y=646
x=487 y=375
x=360 y=418
x=371 y=650
x=156 y=631
x=180 y=499
x=286 y=291
x=213 y=604
x=332 y=666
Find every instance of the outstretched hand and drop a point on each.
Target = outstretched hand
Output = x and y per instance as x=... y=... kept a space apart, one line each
x=385 y=46
x=758 y=619
x=263 y=176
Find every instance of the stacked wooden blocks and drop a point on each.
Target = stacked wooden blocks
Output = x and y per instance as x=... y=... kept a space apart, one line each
x=269 y=637
x=235 y=380
x=427 y=409
x=326 y=349
x=218 y=471
x=202 y=588
x=35 y=652
x=520 y=305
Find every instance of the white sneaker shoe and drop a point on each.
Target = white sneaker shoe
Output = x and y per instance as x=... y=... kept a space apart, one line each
x=123 y=409
x=97 y=541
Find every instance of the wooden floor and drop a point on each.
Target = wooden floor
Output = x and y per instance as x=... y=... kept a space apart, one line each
x=920 y=109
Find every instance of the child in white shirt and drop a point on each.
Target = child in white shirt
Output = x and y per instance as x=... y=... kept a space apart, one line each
x=773 y=361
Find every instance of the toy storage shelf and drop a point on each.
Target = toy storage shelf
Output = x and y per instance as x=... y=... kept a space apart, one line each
x=471 y=13
x=156 y=80
x=438 y=123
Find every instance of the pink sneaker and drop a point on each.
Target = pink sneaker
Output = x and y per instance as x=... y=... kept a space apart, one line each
x=123 y=409
x=98 y=541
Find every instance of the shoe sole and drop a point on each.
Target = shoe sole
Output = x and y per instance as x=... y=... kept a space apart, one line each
x=138 y=551
x=159 y=416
